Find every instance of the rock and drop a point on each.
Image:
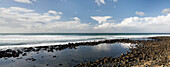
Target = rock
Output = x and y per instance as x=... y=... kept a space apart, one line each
x=24 y=54
x=54 y=56
x=46 y=64
x=60 y=64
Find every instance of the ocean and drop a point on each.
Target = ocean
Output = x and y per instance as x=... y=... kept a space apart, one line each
x=67 y=57
x=14 y=40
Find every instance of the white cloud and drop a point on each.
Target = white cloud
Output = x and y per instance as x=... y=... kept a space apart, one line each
x=159 y=24
x=101 y=19
x=105 y=26
x=76 y=18
x=115 y=0
x=166 y=11
x=22 y=20
x=140 y=13
x=53 y=12
x=17 y=9
x=99 y=2
x=29 y=15
x=25 y=1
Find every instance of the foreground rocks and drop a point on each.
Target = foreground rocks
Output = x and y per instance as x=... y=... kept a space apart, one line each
x=145 y=53
x=52 y=48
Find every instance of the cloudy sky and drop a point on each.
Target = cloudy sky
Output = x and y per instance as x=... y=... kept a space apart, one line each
x=84 y=16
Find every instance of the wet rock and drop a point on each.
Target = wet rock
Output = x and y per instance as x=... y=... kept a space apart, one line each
x=150 y=51
x=46 y=64
x=31 y=59
x=54 y=56
x=60 y=64
x=24 y=54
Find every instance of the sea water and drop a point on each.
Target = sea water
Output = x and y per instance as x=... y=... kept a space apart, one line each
x=66 y=57
x=13 y=40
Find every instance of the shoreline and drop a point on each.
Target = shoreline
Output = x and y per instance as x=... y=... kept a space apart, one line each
x=145 y=53
x=136 y=57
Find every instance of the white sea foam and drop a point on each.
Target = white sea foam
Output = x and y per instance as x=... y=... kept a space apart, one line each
x=13 y=41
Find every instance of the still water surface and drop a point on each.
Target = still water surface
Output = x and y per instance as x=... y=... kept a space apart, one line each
x=67 y=57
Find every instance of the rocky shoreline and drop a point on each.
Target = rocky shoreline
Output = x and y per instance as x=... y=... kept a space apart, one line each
x=153 y=52
x=146 y=53
x=52 y=48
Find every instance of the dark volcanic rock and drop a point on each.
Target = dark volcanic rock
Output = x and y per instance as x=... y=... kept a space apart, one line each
x=155 y=50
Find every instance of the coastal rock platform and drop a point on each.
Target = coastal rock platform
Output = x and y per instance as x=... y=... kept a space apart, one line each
x=152 y=52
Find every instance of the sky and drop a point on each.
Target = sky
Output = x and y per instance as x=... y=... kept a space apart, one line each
x=84 y=16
